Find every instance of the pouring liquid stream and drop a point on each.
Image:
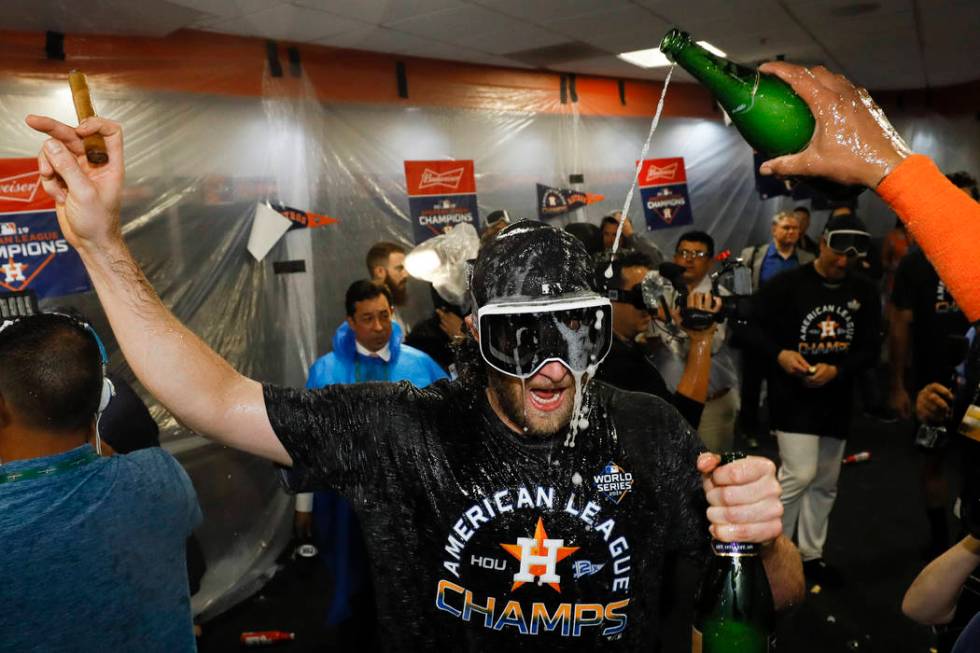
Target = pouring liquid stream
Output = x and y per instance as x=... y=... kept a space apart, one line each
x=639 y=165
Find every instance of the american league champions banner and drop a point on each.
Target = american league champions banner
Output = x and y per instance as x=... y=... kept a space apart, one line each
x=34 y=254
x=440 y=194
x=663 y=187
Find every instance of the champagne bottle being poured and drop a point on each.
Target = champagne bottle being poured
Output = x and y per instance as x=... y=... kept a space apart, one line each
x=772 y=118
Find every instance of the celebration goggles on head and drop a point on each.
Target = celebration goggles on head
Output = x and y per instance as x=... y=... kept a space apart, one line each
x=849 y=241
x=519 y=338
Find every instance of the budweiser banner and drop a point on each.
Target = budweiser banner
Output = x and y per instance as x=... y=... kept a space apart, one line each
x=34 y=254
x=663 y=188
x=440 y=194
x=558 y=201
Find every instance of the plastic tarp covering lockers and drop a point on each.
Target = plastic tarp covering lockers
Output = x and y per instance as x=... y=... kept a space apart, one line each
x=197 y=164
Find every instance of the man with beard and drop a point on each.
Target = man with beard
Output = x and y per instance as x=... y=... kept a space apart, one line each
x=517 y=506
x=386 y=265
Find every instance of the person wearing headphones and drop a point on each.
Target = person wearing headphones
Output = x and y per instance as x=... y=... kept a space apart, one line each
x=93 y=546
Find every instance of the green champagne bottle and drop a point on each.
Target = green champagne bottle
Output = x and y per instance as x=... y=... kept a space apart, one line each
x=734 y=612
x=768 y=114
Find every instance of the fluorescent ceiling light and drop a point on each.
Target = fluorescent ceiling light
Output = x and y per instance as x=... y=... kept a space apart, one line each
x=654 y=58
x=712 y=49
x=651 y=58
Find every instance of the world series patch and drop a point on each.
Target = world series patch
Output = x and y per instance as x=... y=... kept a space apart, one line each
x=613 y=482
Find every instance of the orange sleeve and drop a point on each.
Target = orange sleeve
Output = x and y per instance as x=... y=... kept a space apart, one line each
x=945 y=222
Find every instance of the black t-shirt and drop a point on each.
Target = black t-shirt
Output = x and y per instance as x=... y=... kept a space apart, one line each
x=455 y=507
x=833 y=323
x=935 y=315
x=627 y=368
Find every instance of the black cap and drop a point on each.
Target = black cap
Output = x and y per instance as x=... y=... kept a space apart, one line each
x=847 y=221
x=531 y=261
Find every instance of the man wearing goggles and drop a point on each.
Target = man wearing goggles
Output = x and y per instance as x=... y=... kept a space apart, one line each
x=474 y=495
x=817 y=327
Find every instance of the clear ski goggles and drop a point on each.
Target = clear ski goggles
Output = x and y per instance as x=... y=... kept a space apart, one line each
x=519 y=338
x=849 y=241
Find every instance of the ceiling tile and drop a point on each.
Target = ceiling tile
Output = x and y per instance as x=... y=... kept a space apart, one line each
x=288 y=23
x=479 y=29
x=379 y=12
x=124 y=17
x=543 y=12
x=226 y=8
x=625 y=20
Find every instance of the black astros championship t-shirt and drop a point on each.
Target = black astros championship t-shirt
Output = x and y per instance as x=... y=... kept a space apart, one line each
x=935 y=316
x=836 y=323
x=480 y=539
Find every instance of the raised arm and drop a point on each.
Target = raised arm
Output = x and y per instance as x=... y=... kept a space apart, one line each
x=193 y=382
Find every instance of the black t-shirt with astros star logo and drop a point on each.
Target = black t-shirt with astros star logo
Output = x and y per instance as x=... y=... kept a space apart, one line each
x=483 y=540
x=833 y=323
x=935 y=315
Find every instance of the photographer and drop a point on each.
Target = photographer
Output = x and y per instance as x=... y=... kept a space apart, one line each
x=694 y=255
x=628 y=365
x=816 y=327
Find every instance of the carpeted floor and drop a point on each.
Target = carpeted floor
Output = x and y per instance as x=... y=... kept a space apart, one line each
x=878 y=532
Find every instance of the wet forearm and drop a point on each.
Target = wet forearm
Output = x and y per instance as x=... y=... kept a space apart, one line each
x=693 y=383
x=784 y=568
x=933 y=595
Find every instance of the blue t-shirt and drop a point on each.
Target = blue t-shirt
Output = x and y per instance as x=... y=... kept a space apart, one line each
x=93 y=554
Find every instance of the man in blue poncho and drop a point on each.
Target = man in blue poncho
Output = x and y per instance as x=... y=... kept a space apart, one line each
x=367 y=347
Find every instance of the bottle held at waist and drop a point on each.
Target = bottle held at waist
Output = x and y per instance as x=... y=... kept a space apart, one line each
x=734 y=610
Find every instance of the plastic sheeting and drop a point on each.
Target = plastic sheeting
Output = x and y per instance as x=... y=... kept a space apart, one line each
x=197 y=165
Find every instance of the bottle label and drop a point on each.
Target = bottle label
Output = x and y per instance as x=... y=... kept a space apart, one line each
x=734 y=549
x=696 y=640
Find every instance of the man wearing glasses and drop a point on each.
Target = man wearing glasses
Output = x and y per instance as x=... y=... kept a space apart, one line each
x=695 y=253
x=817 y=328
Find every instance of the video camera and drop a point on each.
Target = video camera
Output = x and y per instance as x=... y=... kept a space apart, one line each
x=733 y=277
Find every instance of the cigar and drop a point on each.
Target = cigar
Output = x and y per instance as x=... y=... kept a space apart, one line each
x=95 y=150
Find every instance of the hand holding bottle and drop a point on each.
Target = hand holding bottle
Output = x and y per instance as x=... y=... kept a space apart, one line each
x=853 y=142
x=743 y=498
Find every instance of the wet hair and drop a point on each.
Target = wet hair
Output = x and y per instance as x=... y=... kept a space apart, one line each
x=627 y=258
x=362 y=290
x=531 y=260
x=803 y=209
x=697 y=237
x=379 y=254
x=51 y=372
